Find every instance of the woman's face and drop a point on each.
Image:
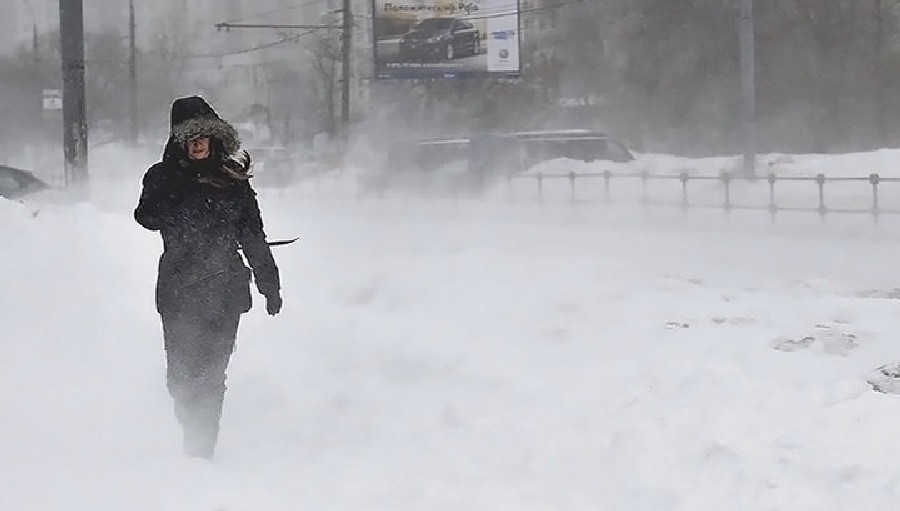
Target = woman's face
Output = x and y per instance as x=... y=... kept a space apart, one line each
x=198 y=149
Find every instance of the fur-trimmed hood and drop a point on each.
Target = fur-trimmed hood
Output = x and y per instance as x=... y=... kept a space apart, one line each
x=212 y=127
x=193 y=117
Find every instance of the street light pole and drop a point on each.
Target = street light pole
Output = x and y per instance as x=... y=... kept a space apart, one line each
x=748 y=86
x=71 y=30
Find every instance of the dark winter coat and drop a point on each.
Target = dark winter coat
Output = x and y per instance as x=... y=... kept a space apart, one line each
x=204 y=217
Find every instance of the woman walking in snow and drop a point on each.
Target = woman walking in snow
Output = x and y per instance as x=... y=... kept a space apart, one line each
x=200 y=200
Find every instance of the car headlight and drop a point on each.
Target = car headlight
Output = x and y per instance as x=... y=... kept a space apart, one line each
x=435 y=39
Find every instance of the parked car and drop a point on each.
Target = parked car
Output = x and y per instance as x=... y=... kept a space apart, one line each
x=441 y=38
x=16 y=183
x=585 y=145
x=511 y=153
x=426 y=164
x=427 y=154
x=508 y=153
x=470 y=162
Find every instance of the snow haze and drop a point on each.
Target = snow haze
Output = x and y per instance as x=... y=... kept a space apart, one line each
x=461 y=354
x=534 y=347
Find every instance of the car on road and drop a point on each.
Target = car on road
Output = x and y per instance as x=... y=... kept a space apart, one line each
x=508 y=153
x=475 y=160
x=442 y=39
x=584 y=145
x=16 y=183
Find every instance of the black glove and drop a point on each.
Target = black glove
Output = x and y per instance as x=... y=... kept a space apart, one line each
x=239 y=164
x=273 y=303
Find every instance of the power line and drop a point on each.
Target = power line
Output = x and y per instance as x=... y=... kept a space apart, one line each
x=216 y=66
x=261 y=63
x=229 y=26
x=291 y=39
x=277 y=11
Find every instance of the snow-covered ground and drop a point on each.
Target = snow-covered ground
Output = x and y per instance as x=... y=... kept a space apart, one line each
x=883 y=162
x=463 y=355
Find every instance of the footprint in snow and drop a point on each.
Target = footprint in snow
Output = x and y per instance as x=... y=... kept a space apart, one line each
x=886 y=379
x=834 y=341
x=734 y=321
x=888 y=294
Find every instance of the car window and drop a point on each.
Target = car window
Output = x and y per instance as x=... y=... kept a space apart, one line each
x=617 y=152
x=542 y=150
x=535 y=149
x=585 y=149
x=8 y=184
x=593 y=149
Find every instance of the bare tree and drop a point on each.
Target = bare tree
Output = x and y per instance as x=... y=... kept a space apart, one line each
x=326 y=59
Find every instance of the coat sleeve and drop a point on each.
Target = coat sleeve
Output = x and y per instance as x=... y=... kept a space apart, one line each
x=157 y=206
x=253 y=242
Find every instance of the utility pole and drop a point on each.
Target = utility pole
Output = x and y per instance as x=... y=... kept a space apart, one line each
x=880 y=65
x=132 y=73
x=748 y=86
x=346 y=50
x=71 y=33
x=36 y=76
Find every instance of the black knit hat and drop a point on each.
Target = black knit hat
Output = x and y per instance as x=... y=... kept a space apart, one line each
x=192 y=117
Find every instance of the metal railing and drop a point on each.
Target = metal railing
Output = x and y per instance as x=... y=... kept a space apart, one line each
x=726 y=180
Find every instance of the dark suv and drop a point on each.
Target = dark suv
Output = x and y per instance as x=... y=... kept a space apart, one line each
x=441 y=38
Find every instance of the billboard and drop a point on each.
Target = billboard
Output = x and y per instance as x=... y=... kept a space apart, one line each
x=446 y=38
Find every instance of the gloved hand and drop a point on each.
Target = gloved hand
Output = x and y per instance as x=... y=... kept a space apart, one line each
x=273 y=303
x=240 y=164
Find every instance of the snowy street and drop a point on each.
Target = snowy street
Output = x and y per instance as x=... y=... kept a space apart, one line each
x=529 y=255
x=464 y=355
